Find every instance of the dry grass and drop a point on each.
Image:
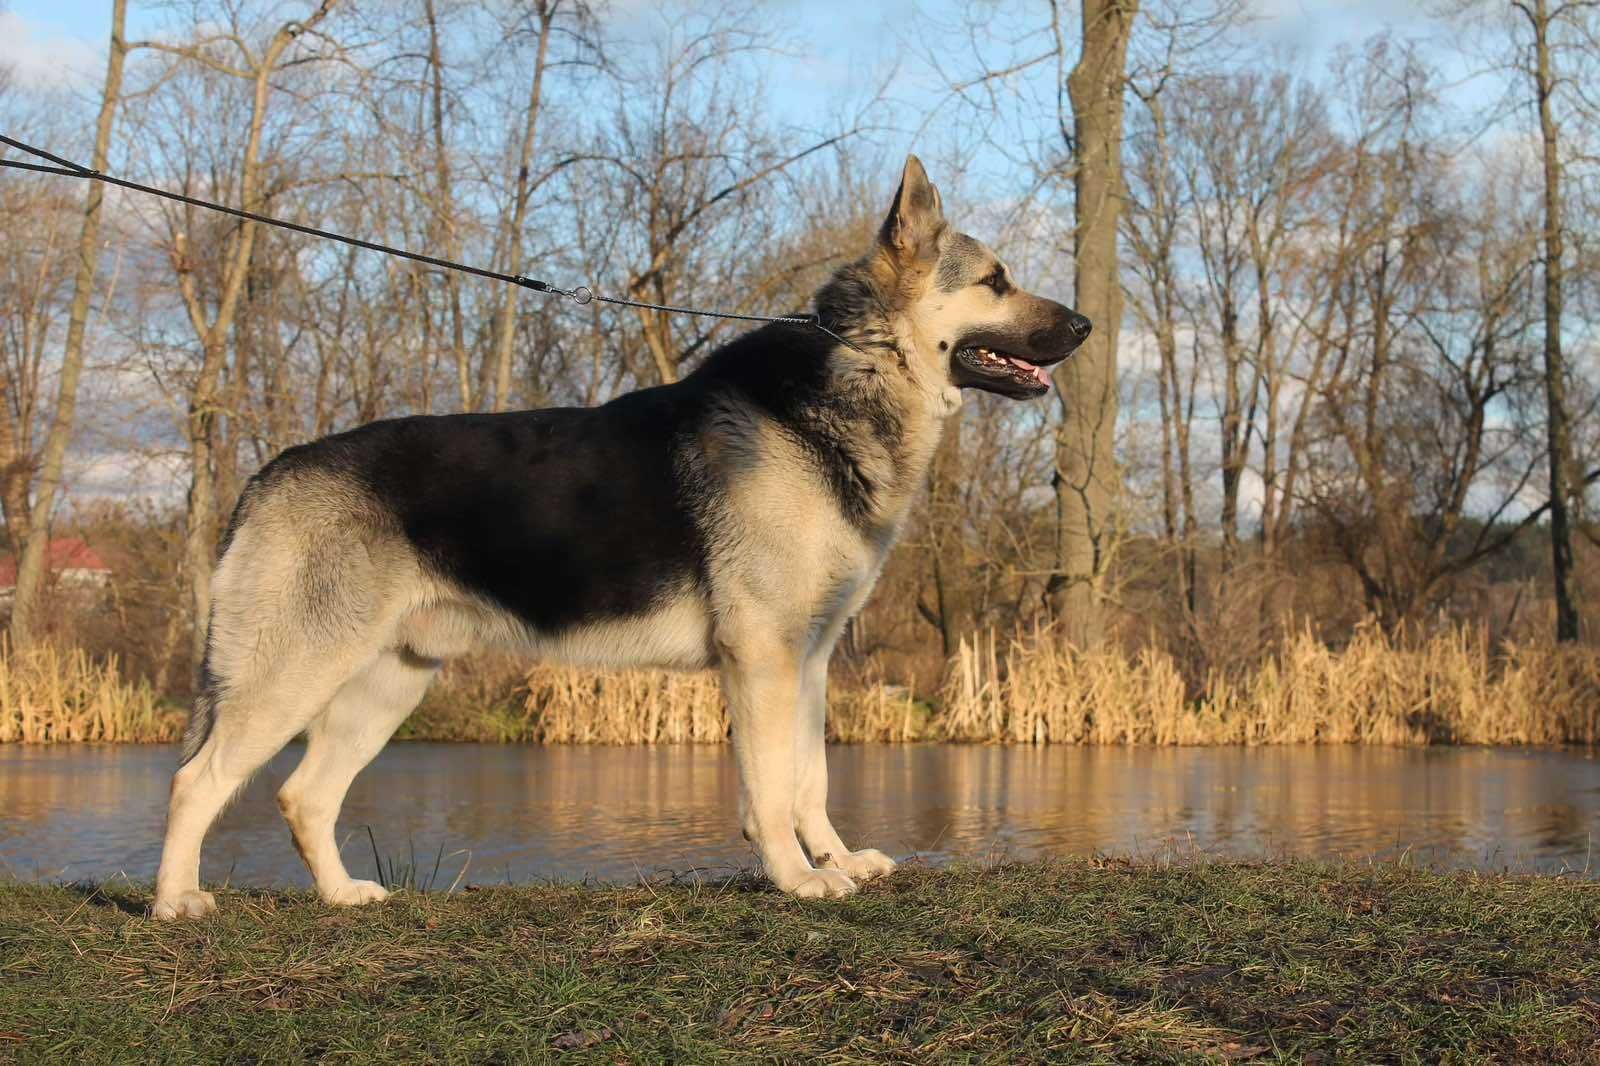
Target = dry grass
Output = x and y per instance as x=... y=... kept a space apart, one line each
x=1453 y=688
x=47 y=694
x=1449 y=689
x=571 y=706
x=567 y=705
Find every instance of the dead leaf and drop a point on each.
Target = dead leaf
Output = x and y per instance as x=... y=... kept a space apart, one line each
x=1233 y=1051
x=578 y=1039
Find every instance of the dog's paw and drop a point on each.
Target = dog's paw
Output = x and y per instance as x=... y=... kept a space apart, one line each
x=862 y=865
x=191 y=904
x=355 y=893
x=818 y=884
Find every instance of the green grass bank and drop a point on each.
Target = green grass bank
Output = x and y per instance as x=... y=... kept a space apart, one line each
x=1062 y=961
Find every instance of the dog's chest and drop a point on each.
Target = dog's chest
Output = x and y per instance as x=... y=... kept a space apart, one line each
x=843 y=592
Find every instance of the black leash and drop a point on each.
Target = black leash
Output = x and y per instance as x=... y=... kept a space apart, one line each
x=580 y=295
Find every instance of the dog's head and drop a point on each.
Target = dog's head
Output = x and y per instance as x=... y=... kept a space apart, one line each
x=956 y=314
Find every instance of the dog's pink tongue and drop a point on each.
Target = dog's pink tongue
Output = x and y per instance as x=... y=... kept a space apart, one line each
x=1038 y=372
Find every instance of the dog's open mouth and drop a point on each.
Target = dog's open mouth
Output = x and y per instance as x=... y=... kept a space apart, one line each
x=985 y=368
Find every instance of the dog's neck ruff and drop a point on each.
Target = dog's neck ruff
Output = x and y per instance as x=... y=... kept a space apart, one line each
x=859 y=311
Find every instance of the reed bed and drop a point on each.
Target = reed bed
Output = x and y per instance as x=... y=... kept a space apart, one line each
x=1452 y=688
x=50 y=695
x=565 y=705
x=568 y=705
x=1449 y=689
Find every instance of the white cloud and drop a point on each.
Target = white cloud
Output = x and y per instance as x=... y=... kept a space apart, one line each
x=37 y=58
x=1321 y=24
x=128 y=475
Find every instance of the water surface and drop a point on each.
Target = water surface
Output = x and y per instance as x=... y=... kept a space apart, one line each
x=91 y=811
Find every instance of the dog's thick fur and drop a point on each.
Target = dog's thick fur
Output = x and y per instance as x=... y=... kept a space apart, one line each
x=735 y=519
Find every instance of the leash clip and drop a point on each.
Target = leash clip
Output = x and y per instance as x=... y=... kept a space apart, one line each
x=581 y=295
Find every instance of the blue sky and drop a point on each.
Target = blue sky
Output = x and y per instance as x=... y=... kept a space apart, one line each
x=836 y=53
x=834 y=43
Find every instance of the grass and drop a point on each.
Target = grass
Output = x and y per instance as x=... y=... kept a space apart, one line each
x=1452 y=688
x=1083 y=960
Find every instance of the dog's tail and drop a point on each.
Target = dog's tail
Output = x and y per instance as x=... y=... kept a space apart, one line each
x=203 y=713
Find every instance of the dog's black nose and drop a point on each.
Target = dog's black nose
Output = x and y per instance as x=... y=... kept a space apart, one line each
x=1080 y=326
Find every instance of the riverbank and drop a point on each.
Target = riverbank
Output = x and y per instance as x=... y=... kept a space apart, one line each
x=1453 y=688
x=1070 y=960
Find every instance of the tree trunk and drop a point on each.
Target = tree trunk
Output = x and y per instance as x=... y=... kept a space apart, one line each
x=1558 y=434
x=445 y=213
x=658 y=338
x=945 y=533
x=1181 y=415
x=15 y=473
x=506 y=317
x=200 y=531
x=1085 y=479
x=25 y=626
x=200 y=534
x=1235 y=432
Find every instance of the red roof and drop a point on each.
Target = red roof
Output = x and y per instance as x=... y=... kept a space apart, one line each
x=64 y=553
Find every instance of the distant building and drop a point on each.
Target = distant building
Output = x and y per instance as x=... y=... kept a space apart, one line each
x=69 y=563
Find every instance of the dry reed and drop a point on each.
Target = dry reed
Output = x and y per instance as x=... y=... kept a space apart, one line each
x=565 y=705
x=1451 y=688
x=49 y=695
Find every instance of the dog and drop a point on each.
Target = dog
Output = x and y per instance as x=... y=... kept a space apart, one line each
x=733 y=520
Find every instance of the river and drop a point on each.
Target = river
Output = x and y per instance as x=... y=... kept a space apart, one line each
x=522 y=813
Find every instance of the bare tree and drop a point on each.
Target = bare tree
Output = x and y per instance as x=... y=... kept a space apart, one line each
x=445 y=228
x=31 y=564
x=523 y=185
x=1544 y=21
x=1433 y=340
x=1086 y=480
x=33 y=278
x=951 y=611
x=1154 y=221
x=693 y=168
x=213 y=325
x=1556 y=63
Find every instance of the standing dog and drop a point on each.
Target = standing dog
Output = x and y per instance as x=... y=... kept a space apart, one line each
x=735 y=519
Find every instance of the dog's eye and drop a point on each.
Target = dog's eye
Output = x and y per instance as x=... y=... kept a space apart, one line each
x=996 y=281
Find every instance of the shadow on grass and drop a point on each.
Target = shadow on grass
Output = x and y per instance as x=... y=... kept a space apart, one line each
x=125 y=898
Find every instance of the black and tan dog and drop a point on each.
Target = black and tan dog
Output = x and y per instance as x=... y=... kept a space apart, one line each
x=735 y=519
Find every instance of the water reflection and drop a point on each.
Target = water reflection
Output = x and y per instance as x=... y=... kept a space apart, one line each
x=613 y=813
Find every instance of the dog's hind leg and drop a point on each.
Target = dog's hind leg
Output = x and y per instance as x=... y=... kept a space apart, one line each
x=296 y=611
x=811 y=776
x=360 y=719
x=249 y=725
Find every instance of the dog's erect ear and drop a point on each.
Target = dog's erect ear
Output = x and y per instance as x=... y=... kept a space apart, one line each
x=917 y=217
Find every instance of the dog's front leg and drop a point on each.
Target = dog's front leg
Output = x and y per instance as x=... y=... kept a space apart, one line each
x=811 y=794
x=761 y=680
